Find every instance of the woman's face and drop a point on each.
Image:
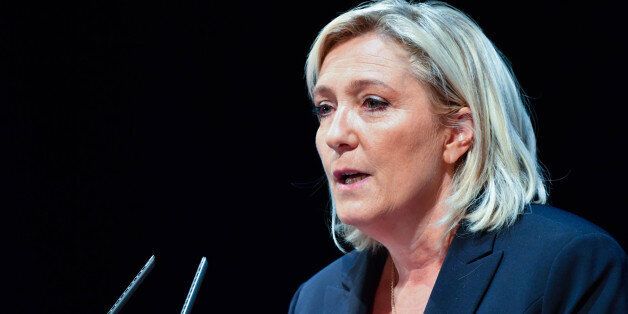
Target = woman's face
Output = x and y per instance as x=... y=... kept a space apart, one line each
x=379 y=141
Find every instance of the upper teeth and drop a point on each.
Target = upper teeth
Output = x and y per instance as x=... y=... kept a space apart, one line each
x=351 y=178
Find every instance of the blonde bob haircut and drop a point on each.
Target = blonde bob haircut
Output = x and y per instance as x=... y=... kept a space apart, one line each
x=500 y=173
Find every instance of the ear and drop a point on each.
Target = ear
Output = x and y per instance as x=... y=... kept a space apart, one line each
x=459 y=137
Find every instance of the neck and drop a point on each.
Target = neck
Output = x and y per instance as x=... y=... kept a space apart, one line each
x=416 y=242
x=418 y=257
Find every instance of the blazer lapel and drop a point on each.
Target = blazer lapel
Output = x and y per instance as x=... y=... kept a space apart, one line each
x=360 y=276
x=466 y=273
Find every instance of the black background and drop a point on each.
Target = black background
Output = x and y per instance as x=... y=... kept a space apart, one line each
x=183 y=129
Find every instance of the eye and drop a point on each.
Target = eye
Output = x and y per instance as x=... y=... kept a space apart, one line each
x=373 y=103
x=322 y=110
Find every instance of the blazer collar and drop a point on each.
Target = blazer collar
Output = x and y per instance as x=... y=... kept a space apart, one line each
x=467 y=270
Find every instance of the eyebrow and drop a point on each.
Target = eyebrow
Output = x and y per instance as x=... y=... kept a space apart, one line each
x=353 y=88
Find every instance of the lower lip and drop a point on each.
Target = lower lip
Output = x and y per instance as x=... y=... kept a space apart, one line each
x=353 y=186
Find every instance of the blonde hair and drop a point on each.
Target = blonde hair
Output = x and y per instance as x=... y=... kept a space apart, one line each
x=500 y=173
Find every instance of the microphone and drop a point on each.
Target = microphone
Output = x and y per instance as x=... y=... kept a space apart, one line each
x=126 y=294
x=196 y=285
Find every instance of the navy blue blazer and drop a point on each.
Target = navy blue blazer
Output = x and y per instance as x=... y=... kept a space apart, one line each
x=549 y=261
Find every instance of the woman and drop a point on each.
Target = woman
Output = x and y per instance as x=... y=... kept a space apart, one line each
x=431 y=161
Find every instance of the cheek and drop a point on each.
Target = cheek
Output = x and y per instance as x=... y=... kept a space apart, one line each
x=407 y=152
x=394 y=147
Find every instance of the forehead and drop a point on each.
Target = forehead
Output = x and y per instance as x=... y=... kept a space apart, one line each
x=370 y=55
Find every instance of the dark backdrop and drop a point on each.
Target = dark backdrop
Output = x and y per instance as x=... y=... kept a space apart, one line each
x=183 y=129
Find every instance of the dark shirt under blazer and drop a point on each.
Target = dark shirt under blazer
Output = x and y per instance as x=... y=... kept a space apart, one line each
x=549 y=261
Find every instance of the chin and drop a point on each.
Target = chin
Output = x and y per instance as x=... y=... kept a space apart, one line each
x=357 y=216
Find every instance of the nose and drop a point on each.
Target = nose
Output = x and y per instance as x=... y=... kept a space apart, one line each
x=341 y=135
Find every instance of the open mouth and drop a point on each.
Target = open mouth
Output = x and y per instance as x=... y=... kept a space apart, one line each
x=349 y=178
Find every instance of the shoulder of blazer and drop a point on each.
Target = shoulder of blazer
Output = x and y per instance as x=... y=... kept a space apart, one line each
x=583 y=267
x=548 y=224
x=541 y=232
